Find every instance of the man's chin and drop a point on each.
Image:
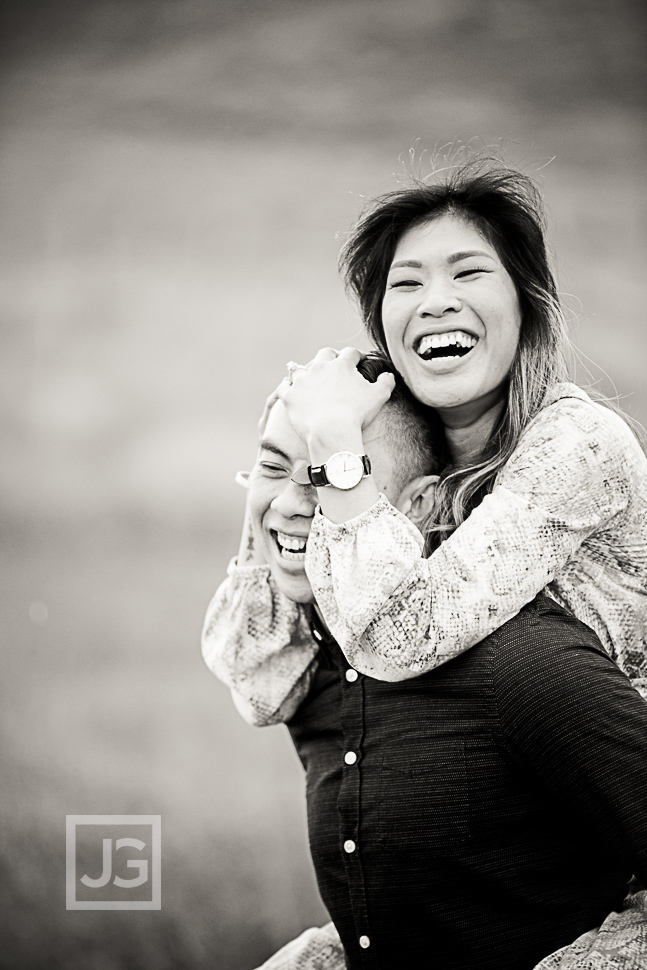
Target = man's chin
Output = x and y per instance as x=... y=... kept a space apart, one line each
x=296 y=587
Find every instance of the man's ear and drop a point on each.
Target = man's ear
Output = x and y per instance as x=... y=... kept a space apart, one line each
x=417 y=498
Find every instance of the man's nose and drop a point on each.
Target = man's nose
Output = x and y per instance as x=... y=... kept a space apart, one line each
x=439 y=297
x=295 y=500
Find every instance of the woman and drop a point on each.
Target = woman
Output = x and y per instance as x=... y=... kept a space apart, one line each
x=541 y=487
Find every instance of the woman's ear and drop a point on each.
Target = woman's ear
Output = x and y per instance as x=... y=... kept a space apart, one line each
x=417 y=498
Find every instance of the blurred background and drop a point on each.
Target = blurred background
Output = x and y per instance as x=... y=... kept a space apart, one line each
x=176 y=179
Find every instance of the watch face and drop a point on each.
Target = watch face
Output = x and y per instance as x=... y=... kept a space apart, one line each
x=344 y=470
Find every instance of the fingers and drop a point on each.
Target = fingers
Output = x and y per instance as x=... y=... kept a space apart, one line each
x=329 y=353
x=269 y=404
x=326 y=353
x=351 y=354
x=284 y=388
x=302 y=376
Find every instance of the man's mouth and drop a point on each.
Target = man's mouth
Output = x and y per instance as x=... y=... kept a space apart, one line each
x=291 y=548
x=455 y=344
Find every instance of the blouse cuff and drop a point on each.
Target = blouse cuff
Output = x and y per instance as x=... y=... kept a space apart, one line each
x=355 y=566
x=258 y=571
x=381 y=509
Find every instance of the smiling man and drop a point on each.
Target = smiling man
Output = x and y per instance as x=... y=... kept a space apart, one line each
x=478 y=817
x=282 y=499
x=261 y=616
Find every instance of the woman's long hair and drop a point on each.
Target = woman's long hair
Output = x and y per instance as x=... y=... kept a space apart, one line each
x=505 y=207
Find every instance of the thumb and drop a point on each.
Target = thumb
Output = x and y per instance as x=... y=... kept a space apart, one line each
x=386 y=383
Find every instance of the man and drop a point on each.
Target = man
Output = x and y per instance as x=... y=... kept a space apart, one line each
x=248 y=642
x=480 y=816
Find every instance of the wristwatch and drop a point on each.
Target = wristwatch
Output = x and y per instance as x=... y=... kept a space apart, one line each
x=342 y=470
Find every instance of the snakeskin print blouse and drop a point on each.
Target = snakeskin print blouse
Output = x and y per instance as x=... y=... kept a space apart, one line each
x=620 y=943
x=568 y=513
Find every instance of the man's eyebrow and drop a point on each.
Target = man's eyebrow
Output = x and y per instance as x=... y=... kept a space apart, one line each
x=269 y=446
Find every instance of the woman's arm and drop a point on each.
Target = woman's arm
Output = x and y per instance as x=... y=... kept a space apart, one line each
x=315 y=949
x=257 y=641
x=619 y=943
x=259 y=644
x=396 y=614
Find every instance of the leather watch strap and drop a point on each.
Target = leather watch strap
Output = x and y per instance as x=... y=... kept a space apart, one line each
x=317 y=473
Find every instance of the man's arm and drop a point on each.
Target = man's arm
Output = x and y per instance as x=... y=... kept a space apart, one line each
x=572 y=714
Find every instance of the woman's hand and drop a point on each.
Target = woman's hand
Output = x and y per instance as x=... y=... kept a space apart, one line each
x=269 y=404
x=330 y=400
x=271 y=400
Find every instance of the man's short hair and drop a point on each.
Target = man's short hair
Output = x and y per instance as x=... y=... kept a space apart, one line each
x=408 y=424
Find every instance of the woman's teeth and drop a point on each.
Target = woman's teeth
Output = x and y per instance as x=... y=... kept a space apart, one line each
x=291 y=547
x=456 y=344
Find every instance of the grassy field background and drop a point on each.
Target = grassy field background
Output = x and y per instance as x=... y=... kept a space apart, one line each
x=176 y=179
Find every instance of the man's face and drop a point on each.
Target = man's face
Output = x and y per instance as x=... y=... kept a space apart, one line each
x=282 y=511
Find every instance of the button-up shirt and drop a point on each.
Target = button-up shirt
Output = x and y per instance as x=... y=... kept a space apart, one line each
x=482 y=815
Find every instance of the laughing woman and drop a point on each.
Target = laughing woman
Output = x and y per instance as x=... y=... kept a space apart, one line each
x=540 y=488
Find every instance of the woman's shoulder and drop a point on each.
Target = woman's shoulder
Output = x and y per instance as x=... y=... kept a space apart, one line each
x=575 y=446
x=570 y=418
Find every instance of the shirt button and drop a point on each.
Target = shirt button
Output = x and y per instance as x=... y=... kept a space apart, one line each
x=350 y=757
x=364 y=942
x=349 y=846
x=351 y=675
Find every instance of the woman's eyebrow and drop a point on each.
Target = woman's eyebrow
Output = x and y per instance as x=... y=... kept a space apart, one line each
x=456 y=257
x=413 y=263
x=269 y=446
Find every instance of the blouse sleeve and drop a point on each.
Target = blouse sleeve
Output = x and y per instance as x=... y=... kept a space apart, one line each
x=620 y=943
x=396 y=614
x=259 y=644
x=315 y=949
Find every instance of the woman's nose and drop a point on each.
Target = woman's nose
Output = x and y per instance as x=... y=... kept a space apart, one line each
x=295 y=500
x=439 y=298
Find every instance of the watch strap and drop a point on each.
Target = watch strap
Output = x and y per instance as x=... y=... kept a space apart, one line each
x=317 y=473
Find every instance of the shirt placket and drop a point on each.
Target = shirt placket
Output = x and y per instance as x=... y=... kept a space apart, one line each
x=349 y=809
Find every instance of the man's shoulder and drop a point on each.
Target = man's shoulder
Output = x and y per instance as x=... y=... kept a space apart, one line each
x=542 y=622
x=562 y=702
x=544 y=654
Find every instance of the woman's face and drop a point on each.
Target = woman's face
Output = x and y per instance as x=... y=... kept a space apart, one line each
x=451 y=317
